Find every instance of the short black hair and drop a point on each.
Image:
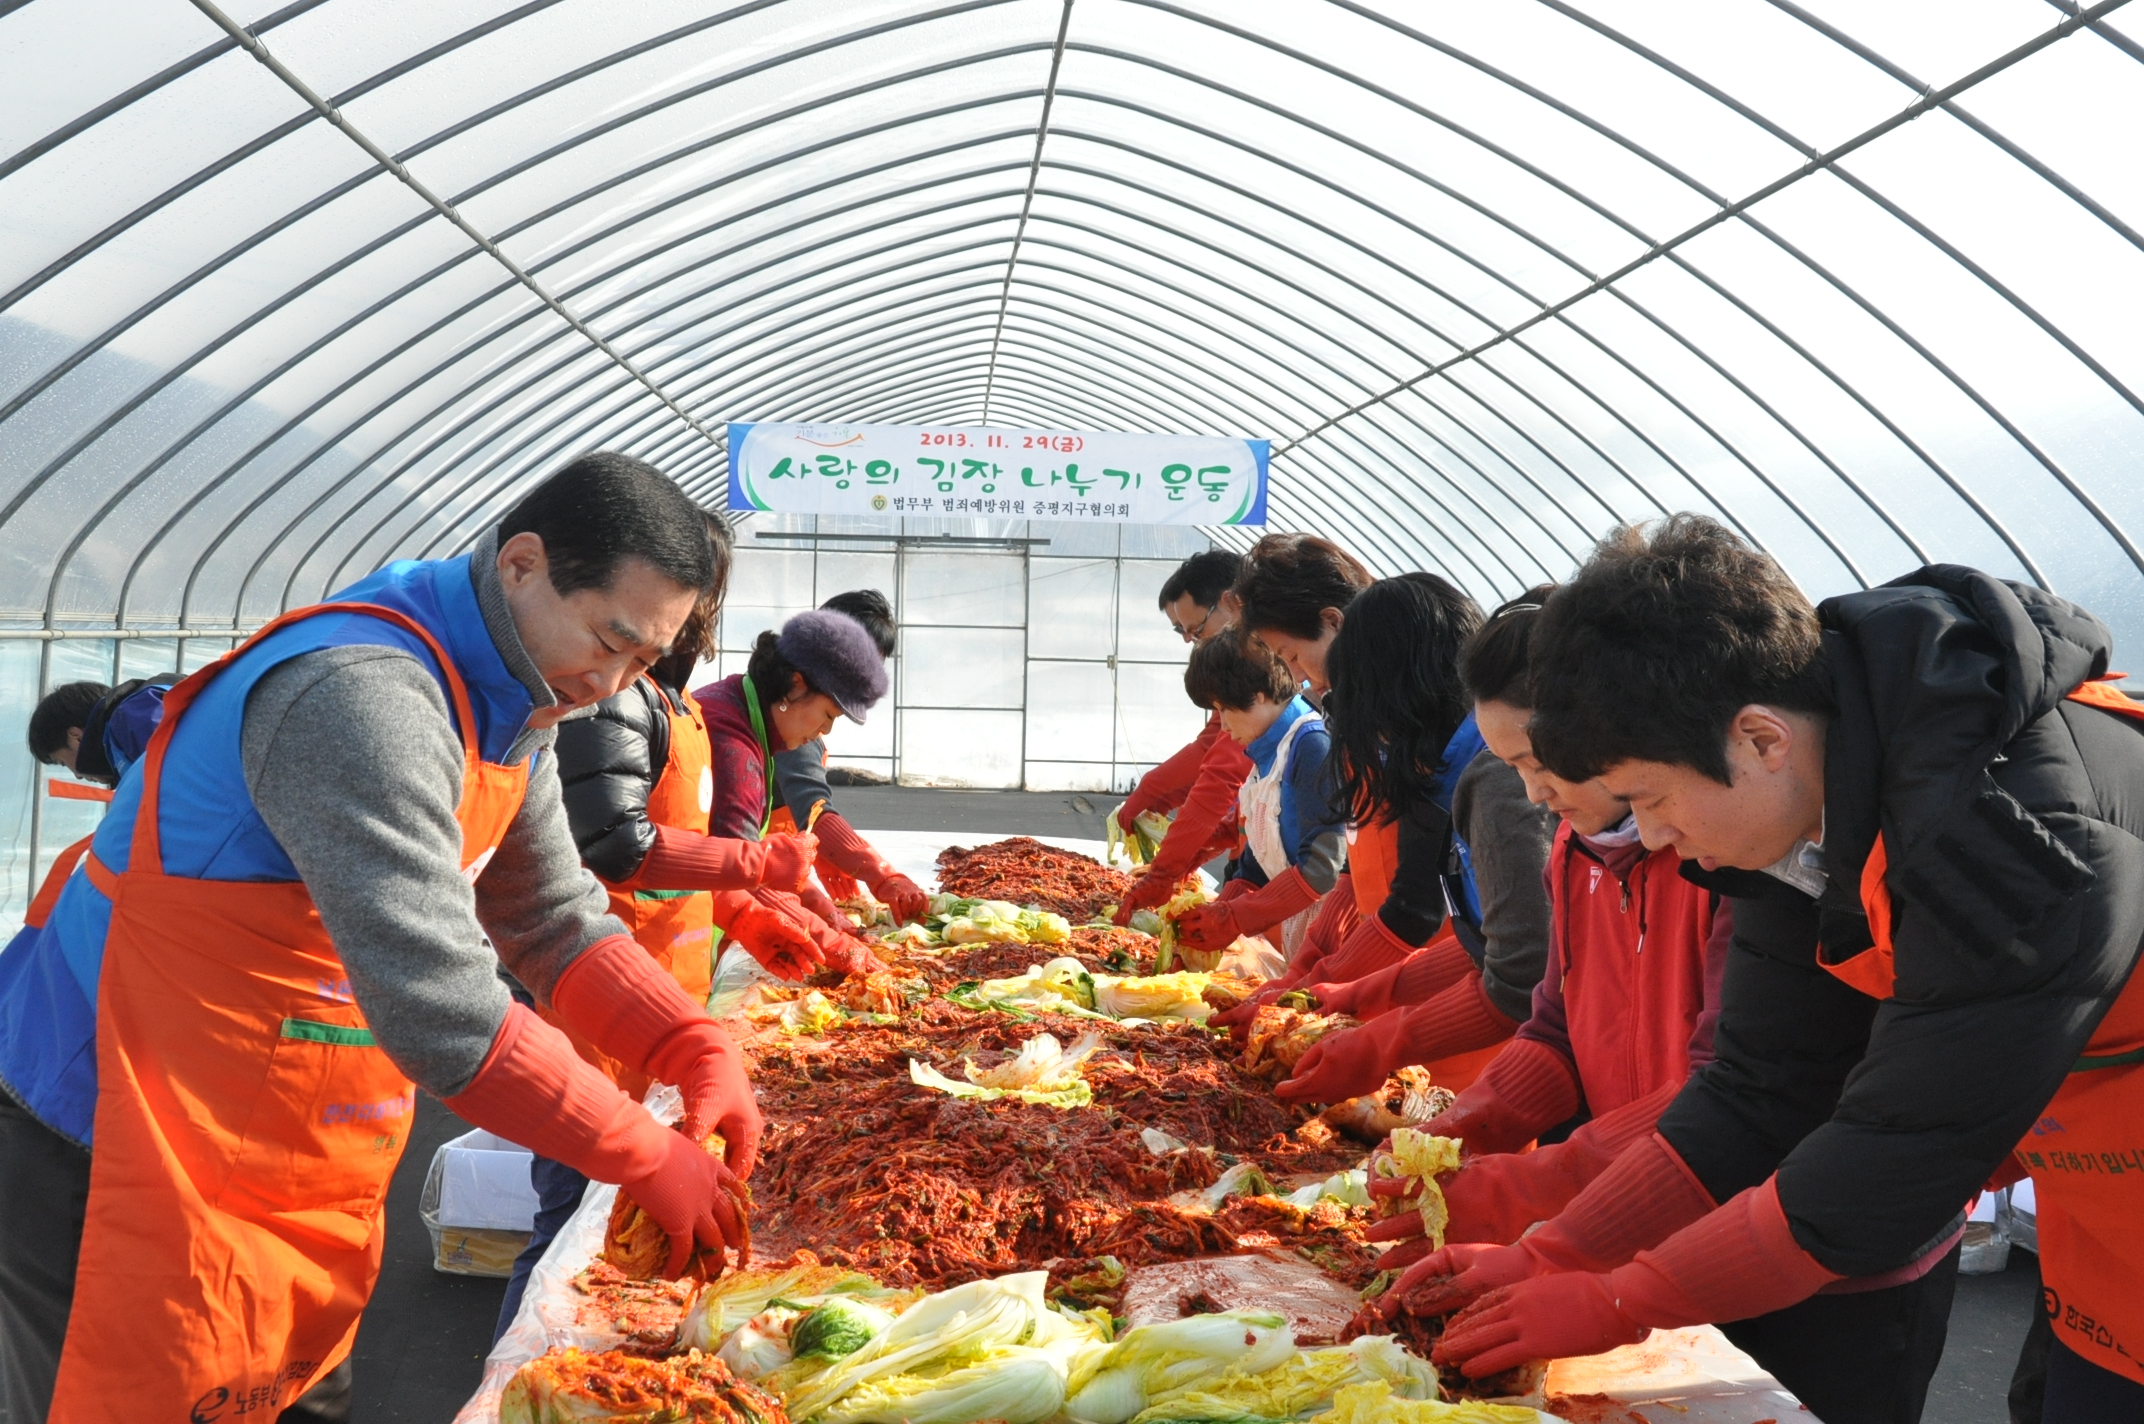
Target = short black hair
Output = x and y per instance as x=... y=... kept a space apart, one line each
x=1659 y=640
x=1231 y=670
x=1289 y=580
x=697 y=639
x=605 y=508
x=869 y=607
x=1205 y=576
x=1396 y=697
x=60 y=711
x=771 y=673
x=1495 y=663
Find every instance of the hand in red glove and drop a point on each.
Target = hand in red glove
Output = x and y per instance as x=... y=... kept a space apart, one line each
x=1417 y=979
x=1217 y=923
x=1436 y=1282
x=841 y=844
x=1149 y=892
x=693 y=1197
x=1350 y=1064
x=776 y=939
x=817 y=902
x=534 y=1090
x=1346 y=1065
x=904 y=897
x=617 y=997
x=788 y=860
x=1546 y=1318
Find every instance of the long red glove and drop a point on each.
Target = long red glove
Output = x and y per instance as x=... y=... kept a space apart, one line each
x=1215 y=926
x=618 y=998
x=533 y=1089
x=1645 y=1196
x=838 y=945
x=1737 y=1262
x=1495 y=1197
x=1334 y=921
x=1369 y=947
x=1526 y=1090
x=687 y=860
x=1417 y=979
x=1203 y=828
x=839 y=842
x=1350 y=1064
x=777 y=940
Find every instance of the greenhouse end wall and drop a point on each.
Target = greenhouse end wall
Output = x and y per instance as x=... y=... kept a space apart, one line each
x=1033 y=654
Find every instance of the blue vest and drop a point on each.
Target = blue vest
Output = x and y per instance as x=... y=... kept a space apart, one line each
x=1461 y=897
x=208 y=825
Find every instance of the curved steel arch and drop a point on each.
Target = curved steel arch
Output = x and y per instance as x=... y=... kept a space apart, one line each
x=1492 y=446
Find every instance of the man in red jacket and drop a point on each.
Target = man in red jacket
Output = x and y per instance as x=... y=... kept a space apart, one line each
x=1199 y=783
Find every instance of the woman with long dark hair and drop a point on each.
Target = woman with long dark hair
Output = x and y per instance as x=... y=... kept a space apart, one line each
x=1445 y=839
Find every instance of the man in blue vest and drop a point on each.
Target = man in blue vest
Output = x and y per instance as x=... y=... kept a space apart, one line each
x=349 y=755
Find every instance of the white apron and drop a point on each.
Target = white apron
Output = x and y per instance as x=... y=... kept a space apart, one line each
x=1258 y=802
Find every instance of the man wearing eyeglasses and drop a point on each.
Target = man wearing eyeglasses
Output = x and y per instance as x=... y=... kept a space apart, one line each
x=1198 y=783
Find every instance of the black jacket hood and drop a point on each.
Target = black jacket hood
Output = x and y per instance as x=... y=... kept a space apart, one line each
x=1934 y=674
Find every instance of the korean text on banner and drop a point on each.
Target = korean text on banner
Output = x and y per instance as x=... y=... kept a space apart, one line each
x=990 y=471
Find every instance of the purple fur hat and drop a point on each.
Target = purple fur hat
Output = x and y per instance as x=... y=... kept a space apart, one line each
x=837 y=657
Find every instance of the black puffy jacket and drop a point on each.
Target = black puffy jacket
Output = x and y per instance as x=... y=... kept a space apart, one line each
x=608 y=761
x=2013 y=823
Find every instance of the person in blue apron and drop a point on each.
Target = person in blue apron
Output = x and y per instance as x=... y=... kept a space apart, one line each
x=1292 y=833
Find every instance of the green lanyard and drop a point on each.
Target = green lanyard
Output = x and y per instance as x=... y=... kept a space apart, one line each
x=766 y=754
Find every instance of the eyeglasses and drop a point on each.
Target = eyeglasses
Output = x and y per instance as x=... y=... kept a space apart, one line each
x=1191 y=634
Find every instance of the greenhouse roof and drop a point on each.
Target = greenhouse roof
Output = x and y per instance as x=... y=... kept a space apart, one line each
x=288 y=292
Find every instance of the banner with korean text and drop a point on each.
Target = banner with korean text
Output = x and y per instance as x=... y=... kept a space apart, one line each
x=996 y=472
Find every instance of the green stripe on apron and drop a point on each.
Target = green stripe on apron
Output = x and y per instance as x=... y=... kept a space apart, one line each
x=766 y=754
x=314 y=1032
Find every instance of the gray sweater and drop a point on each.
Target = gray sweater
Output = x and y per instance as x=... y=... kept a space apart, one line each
x=353 y=762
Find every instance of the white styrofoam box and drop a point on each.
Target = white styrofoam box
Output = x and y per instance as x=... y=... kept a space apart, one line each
x=484 y=1182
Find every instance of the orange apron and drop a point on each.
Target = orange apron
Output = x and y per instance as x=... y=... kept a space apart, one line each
x=2086 y=1153
x=676 y=927
x=1373 y=854
x=48 y=892
x=247 y=1124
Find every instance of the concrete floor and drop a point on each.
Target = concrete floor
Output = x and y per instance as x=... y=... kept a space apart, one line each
x=421 y=1347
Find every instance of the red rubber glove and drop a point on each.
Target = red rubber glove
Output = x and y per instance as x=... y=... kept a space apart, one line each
x=687 y=860
x=1335 y=919
x=1417 y=979
x=1350 y=1064
x=1526 y=1090
x=822 y=907
x=534 y=1090
x=903 y=896
x=1369 y=947
x=617 y=997
x=838 y=945
x=1548 y=1318
x=1203 y=828
x=840 y=843
x=837 y=883
x=1495 y=1198
x=1214 y=926
x=1645 y=1196
x=1737 y=1262
x=1329 y=929
x=776 y=939
x=1149 y=892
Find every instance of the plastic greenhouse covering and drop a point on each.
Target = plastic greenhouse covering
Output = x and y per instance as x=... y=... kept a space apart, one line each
x=289 y=292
